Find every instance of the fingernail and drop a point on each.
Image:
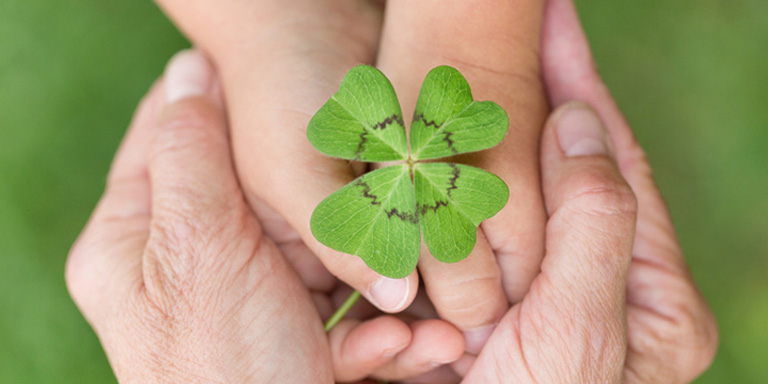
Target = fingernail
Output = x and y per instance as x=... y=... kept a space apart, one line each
x=434 y=364
x=390 y=294
x=476 y=338
x=393 y=351
x=580 y=132
x=187 y=74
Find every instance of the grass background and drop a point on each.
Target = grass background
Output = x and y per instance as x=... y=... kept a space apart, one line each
x=692 y=78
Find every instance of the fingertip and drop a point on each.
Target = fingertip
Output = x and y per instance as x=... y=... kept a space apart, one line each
x=187 y=74
x=440 y=340
x=435 y=343
x=387 y=294
x=578 y=162
x=393 y=295
x=574 y=137
x=360 y=348
x=580 y=131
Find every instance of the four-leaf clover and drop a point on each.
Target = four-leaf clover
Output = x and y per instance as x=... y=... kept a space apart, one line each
x=381 y=215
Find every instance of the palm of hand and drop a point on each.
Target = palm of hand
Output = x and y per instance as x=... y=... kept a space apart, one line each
x=173 y=270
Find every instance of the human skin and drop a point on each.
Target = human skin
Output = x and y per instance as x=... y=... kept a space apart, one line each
x=181 y=284
x=170 y=267
x=281 y=60
x=667 y=334
x=614 y=301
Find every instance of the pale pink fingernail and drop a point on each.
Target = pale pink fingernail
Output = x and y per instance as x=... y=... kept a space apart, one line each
x=390 y=294
x=580 y=132
x=188 y=74
x=477 y=337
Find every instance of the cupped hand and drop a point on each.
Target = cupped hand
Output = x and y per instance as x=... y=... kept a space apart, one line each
x=181 y=284
x=281 y=60
x=173 y=271
x=614 y=301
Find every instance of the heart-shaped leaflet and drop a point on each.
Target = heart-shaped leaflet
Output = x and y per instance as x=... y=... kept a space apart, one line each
x=380 y=215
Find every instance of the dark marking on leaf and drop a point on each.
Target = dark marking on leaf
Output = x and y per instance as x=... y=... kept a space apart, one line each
x=388 y=121
x=380 y=126
x=448 y=140
x=423 y=209
x=420 y=117
x=404 y=216
x=454 y=177
x=360 y=145
x=367 y=191
x=432 y=123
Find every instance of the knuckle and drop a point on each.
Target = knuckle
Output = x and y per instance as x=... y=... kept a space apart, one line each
x=187 y=124
x=602 y=194
x=472 y=310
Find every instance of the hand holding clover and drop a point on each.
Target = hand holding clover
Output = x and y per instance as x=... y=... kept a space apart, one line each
x=280 y=61
x=196 y=266
x=379 y=215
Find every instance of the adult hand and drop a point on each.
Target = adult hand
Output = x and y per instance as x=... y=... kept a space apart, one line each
x=173 y=271
x=281 y=60
x=614 y=301
x=180 y=283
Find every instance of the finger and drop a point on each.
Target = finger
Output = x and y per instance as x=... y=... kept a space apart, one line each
x=190 y=166
x=106 y=259
x=570 y=74
x=592 y=213
x=360 y=348
x=434 y=343
x=659 y=282
x=195 y=195
x=468 y=293
x=276 y=76
x=573 y=319
x=495 y=44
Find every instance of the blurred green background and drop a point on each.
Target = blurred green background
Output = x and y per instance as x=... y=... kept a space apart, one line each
x=692 y=78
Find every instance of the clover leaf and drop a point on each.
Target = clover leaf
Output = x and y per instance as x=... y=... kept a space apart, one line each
x=381 y=215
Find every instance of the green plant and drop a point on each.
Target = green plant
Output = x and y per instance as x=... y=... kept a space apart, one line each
x=380 y=215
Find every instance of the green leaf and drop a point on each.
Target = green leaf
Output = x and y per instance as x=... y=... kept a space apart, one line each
x=362 y=121
x=380 y=216
x=373 y=217
x=448 y=122
x=452 y=200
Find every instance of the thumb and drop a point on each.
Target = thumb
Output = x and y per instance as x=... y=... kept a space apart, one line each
x=590 y=231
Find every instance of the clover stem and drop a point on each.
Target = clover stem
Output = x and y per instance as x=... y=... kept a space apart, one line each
x=339 y=314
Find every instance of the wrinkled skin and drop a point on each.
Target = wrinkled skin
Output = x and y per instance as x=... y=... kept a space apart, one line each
x=612 y=300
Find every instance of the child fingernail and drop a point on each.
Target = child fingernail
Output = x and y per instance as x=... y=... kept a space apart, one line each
x=390 y=294
x=187 y=74
x=580 y=132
